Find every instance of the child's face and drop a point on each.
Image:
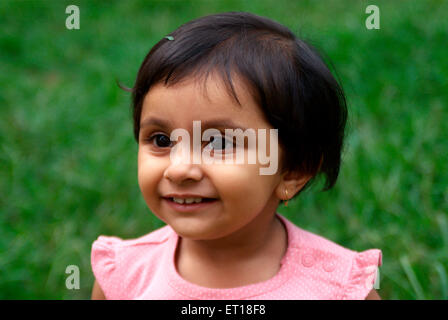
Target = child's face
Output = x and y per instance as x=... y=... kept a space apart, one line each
x=243 y=195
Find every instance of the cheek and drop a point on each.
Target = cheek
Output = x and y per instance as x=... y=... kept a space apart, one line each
x=243 y=185
x=148 y=174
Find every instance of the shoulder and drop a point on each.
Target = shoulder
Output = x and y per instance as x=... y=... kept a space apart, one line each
x=313 y=241
x=331 y=270
x=119 y=265
x=155 y=237
x=311 y=246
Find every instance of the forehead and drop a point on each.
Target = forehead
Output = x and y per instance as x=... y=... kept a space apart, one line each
x=191 y=100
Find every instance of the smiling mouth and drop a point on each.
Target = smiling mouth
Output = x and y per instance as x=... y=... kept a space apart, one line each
x=189 y=201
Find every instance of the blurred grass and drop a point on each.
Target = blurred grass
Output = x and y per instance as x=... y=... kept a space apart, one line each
x=68 y=161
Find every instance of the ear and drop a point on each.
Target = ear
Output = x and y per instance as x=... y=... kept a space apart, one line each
x=293 y=182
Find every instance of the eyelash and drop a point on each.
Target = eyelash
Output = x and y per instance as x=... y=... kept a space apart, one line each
x=151 y=138
x=154 y=136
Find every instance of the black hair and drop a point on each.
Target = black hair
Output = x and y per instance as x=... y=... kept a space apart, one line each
x=287 y=78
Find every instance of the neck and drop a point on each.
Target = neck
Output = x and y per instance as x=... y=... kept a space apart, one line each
x=244 y=244
x=258 y=247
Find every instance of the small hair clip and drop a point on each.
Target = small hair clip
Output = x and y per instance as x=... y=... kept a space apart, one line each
x=169 y=38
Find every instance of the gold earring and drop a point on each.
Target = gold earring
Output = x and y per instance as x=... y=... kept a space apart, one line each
x=287 y=198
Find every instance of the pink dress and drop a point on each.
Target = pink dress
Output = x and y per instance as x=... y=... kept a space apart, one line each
x=312 y=268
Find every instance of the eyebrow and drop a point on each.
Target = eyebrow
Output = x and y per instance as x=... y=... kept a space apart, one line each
x=215 y=123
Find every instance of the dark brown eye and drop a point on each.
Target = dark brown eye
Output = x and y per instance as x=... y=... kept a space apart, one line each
x=160 y=141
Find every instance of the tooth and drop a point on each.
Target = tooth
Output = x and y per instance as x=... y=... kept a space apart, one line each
x=197 y=200
x=189 y=200
x=178 y=200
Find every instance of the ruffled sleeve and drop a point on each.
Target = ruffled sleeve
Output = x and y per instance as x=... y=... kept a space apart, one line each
x=103 y=260
x=363 y=274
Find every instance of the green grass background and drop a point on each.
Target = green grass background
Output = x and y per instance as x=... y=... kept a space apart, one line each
x=68 y=161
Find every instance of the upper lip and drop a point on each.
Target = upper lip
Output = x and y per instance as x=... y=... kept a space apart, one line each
x=186 y=195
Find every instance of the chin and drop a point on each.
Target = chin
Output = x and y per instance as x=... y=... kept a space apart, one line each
x=192 y=234
x=196 y=233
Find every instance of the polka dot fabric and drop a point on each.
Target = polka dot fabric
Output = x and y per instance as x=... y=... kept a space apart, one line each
x=313 y=268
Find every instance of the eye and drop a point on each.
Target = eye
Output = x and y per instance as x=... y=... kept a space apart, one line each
x=159 y=140
x=220 y=143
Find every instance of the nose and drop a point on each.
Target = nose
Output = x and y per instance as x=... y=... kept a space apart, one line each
x=181 y=168
x=180 y=173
